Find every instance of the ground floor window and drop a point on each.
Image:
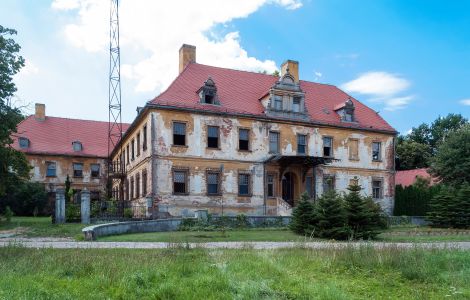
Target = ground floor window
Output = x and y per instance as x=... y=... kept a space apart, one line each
x=244 y=184
x=270 y=185
x=213 y=183
x=180 y=181
x=328 y=183
x=309 y=186
x=377 y=188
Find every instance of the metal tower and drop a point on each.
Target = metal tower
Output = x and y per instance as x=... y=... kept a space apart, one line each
x=114 y=95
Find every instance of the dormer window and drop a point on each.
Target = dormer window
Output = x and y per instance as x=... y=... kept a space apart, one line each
x=24 y=142
x=346 y=111
x=77 y=146
x=277 y=102
x=208 y=93
x=296 y=104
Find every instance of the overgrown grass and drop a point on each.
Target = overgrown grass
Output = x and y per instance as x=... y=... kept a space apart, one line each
x=423 y=234
x=177 y=273
x=42 y=227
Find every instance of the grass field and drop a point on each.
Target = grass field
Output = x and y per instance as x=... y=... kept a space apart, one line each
x=41 y=227
x=177 y=273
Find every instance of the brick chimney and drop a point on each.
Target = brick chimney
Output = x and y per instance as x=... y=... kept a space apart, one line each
x=293 y=69
x=40 y=112
x=187 y=55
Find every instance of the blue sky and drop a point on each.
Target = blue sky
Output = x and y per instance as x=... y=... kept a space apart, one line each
x=409 y=60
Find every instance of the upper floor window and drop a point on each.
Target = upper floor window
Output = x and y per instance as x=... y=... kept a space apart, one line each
x=128 y=153
x=301 y=144
x=296 y=104
x=95 y=170
x=51 y=169
x=77 y=170
x=273 y=142
x=213 y=184
x=208 y=92
x=179 y=134
x=131 y=194
x=144 y=142
x=377 y=189
x=353 y=149
x=137 y=185
x=278 y=102
x=376 y=150
x=77 y=146
x=24 y=142
x=132 y=150
x=327 y=146
x=243 y=139
x=138 y=144
x=212 y=137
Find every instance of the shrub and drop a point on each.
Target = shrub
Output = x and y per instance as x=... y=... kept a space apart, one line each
x=128 y=213
x=330 y=217
x=25 y=198
x=8 y=214
x=303 y=218
x=72 y=212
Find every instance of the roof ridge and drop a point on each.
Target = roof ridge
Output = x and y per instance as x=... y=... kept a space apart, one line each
x=72 y=119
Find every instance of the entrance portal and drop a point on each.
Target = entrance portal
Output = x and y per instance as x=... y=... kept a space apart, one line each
x=288 y=188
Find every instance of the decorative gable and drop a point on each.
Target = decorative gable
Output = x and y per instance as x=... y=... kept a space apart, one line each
x=208 y=92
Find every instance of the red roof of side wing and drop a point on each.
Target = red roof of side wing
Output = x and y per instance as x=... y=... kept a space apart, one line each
x=408 y=177
x=240 y=92
x=55 y=136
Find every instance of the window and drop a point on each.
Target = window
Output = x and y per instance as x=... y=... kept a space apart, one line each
x=131 y=195
x=301 y=144
x=137 y=185
x=24 y=142
x=270 y=182
x=328 y=183
x=180 y=182
x=132 y=150
x=273 y=142
x=138 y=144
x=144 y=144
x=208 y=92
x=128 y=153
x=51 y=169
x=77 y=170
x=179 y=134
x=296 y=104
x=77 y=146
x=209 y=99
x=376 y=146
x=353 y=149
x=327 y=146
x=277 y=102
x=243 y=184
x=213 y=183
x=212 y=137
x=144 y=183
x=123 y=159
x=348 y=117
x=377 y=189
x=244 y=139
x=95 y=170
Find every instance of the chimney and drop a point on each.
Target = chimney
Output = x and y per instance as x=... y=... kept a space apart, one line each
x=293 y=69
x=40 y=112
x=187 y=55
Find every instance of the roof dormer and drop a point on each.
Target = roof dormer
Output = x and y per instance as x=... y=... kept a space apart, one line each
x=208 y=93
x=77 y=146
x=346 y=111
x=23 y=142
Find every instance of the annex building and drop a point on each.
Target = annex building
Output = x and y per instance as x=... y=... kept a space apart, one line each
x=243 y=142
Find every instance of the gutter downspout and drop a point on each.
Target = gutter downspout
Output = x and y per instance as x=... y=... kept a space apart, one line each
x=153 y=133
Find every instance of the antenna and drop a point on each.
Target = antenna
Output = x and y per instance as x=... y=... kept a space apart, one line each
x=114 y=95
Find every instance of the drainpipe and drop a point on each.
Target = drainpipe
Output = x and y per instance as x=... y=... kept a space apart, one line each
x=264 y=187
x=153 y=133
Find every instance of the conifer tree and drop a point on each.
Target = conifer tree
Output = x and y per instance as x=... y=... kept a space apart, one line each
x=303 y=218
x=442 y=208
x=462 y=207
x=332 y=221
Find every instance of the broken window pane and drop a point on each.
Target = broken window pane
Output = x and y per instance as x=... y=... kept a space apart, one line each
x=327 y=146
x=376 y=150
x=244 y=138
x=179 y=134
x=212 y=137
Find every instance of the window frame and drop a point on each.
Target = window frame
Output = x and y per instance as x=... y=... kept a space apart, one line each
x=144 y=138
x=144 y=183
x=249 y=187
x=273 y=183
x=329 y=177
x=138 y=144
x=278 y=99
x=218 y=173
x=379 y=156
x=132 y=188
x=218 y=136
x=248 y=141
x=77 y=143
x=73 y=169
x=137 y=185
x=304 y=145
x=351 y=157
x=185 y=133
x=128 y=154
x=91 y=171
x=278 y=141
x=55 y=168
x=381 y=188
x=21 y=141
x=331 y=146
x=132 y=149
x=186 y=183
x=294 y=98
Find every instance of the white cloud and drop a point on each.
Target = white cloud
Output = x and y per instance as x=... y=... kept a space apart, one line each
x=318 y=75
x=29 y=69
x=154 y=33
x=382 y=87
x=465 y=102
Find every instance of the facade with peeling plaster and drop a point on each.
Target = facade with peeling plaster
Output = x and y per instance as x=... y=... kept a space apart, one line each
x=232 y=142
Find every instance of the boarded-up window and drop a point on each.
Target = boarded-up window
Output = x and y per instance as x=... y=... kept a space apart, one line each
x=212 y=137
x=244 y=139
x=273 y=142
x=179 y=134
x=353 y=149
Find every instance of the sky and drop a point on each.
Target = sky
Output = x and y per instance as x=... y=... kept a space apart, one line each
x=407 y=59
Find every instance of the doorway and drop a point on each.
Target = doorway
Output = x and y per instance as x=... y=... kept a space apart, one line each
x=288 y=188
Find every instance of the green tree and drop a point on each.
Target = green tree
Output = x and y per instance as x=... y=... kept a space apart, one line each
x=442 y=207
x=13 y=164
x=462 y=213
x=303 y=219
x=443 y=126
x=452 y=160
x=331 y=218
x=276 y=73
x=412 y=155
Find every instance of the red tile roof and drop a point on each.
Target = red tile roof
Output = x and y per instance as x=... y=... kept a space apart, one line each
x=55 y=136
x=239 y=92
x=408 y=177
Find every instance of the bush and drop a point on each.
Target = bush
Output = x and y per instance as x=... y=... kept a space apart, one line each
x=414 y=200
x=451 y=207
x=331 y=218
x=303 y=218
x=72 y=212
x=128 y=213
x=25 y=199
x=8 y=214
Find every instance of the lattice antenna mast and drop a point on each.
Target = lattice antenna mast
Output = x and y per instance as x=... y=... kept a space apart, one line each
x=114 y=92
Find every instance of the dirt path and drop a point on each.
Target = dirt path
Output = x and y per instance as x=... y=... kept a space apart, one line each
x=59 y=243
